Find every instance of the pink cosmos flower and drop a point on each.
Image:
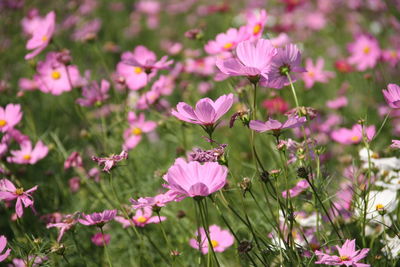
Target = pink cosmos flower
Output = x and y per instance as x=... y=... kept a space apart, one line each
x=364 y=51
x=301 y=186
x=41 y=35
x=163 y=86
x=256 y=20
x=226 y=41
x=74 y=184
x=337 y=103
x=140 y=66
x=203 y=66
x=220 y=239
x=3 y=244
x=159 y=200
x=392 y=95
x=194 y=179
x=316 y=73
x=348 y=255
x=67 y=223
x=111 y=161
x=142 y=217
x=25 y=84
x=37 y=260
x=93 y=94
x=253 y=59
x=276 y=126
x=138 y=126
x=395 y=144
x=99 y=239
x=206 y=112
x=54 y=77
x=87 y=31
x=10 y=116
x=354 y=135
x=27 y=155
x=74 y=160
x=9 y=192
x=97 y=218
x=392 y=56
x=287 y=60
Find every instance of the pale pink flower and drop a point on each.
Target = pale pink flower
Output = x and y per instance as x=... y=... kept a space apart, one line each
x=31 y=21
x=365 y=52
x=93 y=94
x=27 y=154
x=395 y=144
x=253 y=60
x=281 y=40
x=226 y=41
x=220 y=239
x=301 y=186
x=8 y=192
x=3 y=244
x=10 y=116
x=159 y=200
x=203 y=66
x=256 y=20
x=74 y=160
x=392 y=95
x=99 y=239
x=41 y=35
x=354 y=135
x=337 y=103
x=206 y=112
x=111 y=161
x=348 y=255
x=316 y=73
x=142 y=217
x=25 y=84
x=97 y=218
x=138 y=126
x=194 y=179
x=392 y=56
x=54 y=77
x=87 y=31
x=276 y=126
x=67 y=223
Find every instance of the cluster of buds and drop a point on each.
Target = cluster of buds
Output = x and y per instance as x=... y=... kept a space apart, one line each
x=212 y=155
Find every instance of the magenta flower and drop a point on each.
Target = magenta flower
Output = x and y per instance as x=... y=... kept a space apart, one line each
x=276 y=126
x=138 y=126
x=348 y=255
x=41 y=35
x=74 y=160
x=54 y=77
x=140 y=66
x=220 y=239
x=226 y=41
x=68 y=222
x=395 y=144
x=392 y=95
x=141 y=219
x=111 y=161
x=99 y=239
x=253 y=59
x=27 y=155
x=300 y=187
x=354 y=135
x=10 y=116
x=93 y=94
x=159 y=200
x=3 y=244
x=97 y=218
x=287 y=60
x=316 y=73
x=8 y=192
x=365 y=52
x=194 y=179
x=206 y=112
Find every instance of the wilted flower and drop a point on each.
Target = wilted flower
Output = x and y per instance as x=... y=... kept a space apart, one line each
x=220 y=239
x=67 y=223
x=74 y=160
x=212 y=155
x=110 y=162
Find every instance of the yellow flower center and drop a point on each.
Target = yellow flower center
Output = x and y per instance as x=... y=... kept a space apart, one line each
x=3 y=123
x=19 y=191
x=344 y=258
x=26 y=157
x=136 y=131
x=366 y=50
x=228 y=46
x=379 y=207
x=257 y=29
x=355 y=138
x=141 y=219
x=311 y=74
x=214 y=243
x=56 y=75
x=393 y=54
x=44 y=38
x=137 y=70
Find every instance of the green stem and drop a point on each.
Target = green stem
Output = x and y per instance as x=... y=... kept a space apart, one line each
x=105 y=248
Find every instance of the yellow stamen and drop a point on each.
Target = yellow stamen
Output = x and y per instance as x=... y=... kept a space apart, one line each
x=228 y=46
x=379 y=207
x=344 y=258
x=311 y=74
x=137 y=70
x=136 y=131
x=355 y=138
x=56 y=75
x=366 y=50
x=44 y=38
x=393 y=54
x=19 y=191
x=26 y=157
x=141 y=219
x=257 y=29
x=214 y=243
x=3 y=123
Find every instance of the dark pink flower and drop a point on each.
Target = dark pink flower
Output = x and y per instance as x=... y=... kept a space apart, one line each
x=97 y=218
x=111 y=161
x=99 y=239
x=348 y=255
x=41 y=35
x=220 y=239
x=74 y=160
x=8 y=192
x=275 y=105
